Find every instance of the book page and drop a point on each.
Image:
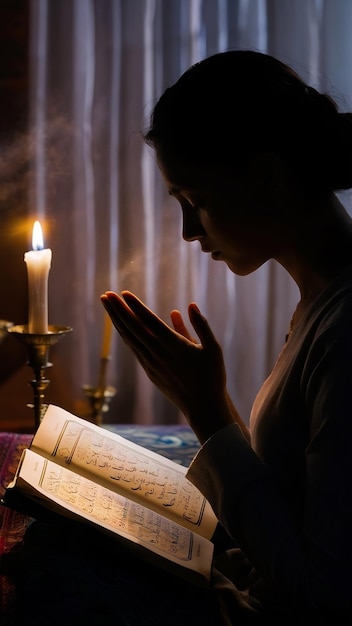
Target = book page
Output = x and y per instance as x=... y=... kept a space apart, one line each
x=125 y=467
x=67 y=492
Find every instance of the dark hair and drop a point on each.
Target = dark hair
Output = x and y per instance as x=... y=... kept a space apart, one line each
x=235 y=104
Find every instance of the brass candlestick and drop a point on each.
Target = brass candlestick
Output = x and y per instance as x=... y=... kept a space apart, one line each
x=4 y=326
x=100 y=396
x=38 y=345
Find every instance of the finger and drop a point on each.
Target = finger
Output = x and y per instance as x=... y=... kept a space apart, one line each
x=202 y=328
x=110 y=301
x=110 y=304
x=137 y=323
x=123 y=318
x=114 y=305
x=180 y=326
x=156 y=325
x=120 y=312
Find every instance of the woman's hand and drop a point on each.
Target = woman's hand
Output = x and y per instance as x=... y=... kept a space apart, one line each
x=190 y=373
x=181 y=328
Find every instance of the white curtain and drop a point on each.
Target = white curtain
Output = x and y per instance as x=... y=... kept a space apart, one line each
x=97 y=68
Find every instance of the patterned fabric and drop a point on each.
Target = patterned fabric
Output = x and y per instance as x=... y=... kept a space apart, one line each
x=177 y=443
x=12 y=524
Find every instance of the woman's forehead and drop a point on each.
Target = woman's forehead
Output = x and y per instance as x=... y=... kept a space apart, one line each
x=178 y=177
x=186 y=176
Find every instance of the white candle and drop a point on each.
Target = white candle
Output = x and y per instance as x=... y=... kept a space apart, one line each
x=38 y=263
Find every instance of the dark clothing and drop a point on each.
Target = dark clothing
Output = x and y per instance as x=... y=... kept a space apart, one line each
x=287 y=500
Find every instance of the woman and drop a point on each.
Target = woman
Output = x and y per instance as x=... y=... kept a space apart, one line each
x=254 y=157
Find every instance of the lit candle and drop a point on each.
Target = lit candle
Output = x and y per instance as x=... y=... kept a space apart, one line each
x=38 y=263
x=105 y=348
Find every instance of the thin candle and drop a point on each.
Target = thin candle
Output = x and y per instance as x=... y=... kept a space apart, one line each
x=38 y=263
x=107 y=334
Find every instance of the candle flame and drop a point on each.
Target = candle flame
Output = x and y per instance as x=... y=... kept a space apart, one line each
x=37 y=236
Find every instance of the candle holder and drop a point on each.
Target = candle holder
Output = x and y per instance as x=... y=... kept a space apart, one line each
x=38 y=345
x=4 y=326
x=100 y=396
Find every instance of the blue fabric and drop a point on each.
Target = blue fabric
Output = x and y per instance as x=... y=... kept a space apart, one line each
x=177 y=443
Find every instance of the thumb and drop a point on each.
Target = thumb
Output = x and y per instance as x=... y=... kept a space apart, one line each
x=201 y=326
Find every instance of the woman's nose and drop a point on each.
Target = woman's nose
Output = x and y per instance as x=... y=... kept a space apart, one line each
x=192 y=227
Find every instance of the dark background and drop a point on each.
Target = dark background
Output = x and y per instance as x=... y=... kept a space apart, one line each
x=15 y=390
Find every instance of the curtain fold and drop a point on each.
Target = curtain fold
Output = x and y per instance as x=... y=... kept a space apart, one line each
x=97 y=68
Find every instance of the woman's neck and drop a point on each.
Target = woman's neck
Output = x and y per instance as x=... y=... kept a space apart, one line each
x=318 y=247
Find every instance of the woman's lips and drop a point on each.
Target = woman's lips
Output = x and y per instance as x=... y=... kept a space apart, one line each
x=215 y=254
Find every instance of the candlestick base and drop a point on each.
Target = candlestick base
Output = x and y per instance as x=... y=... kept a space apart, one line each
x=99 y=399
x=100 y=396
x=38 y=345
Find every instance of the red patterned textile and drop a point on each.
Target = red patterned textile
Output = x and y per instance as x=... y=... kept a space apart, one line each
x=12 y=524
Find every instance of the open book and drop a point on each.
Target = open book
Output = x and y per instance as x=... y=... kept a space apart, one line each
x=83 y=471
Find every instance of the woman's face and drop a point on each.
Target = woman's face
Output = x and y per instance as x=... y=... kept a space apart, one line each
x=230 y=214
